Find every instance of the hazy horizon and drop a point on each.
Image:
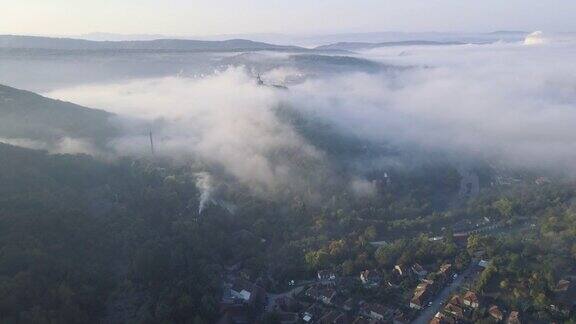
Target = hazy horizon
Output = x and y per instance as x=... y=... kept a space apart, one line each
x=203 y=18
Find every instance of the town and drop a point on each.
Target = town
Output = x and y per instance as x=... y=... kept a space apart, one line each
x=412 y=293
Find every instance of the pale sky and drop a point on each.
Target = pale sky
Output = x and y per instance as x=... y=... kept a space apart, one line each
x=209 y=17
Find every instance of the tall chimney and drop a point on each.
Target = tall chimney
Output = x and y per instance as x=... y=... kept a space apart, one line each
x=151 y=143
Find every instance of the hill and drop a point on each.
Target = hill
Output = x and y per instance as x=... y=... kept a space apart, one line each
x=232 y=45
x=24 y=114
x=355 y=46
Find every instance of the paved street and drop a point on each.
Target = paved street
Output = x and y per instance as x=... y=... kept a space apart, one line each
x=428 y=313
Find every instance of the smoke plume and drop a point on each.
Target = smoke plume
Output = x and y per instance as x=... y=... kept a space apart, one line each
x=206 y=187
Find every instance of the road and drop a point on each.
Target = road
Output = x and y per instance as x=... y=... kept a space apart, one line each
x=428 y=313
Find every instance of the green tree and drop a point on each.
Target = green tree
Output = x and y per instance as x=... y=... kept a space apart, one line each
x=504 y=207
x=385 y=255
x=348 y=267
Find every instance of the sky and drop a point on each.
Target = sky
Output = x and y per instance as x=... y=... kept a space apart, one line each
x=203 y=17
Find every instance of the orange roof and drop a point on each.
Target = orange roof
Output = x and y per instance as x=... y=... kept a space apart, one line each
x=456 y=300
x=454 y=310
x=514 y=316
x=445 y=267
x=563 y=285
x=471 y=297
x=496 y=312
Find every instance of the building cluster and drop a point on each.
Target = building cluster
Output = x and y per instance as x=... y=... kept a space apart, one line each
x=564 y=298
x=457 y=309
x=332 y=299
x=462 y=307
x=470 y=306
x=332 y=304
x=428 y=287
x=326 y=301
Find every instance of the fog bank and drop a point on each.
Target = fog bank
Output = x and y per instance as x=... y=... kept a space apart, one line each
x=507 y=103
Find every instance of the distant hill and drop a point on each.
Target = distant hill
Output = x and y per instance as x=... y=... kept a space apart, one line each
x=233 y=45
x=311 y=63
x=519 y=33
x=382 y=37
x=24 y=114
x=332 y=64
x=355 y=46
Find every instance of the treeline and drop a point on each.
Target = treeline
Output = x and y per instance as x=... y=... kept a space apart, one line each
x=83 y=241
x=527 y=265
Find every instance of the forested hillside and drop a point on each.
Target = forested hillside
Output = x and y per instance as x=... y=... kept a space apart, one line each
x=83 y=240
x=27 y=115
x=76 y=232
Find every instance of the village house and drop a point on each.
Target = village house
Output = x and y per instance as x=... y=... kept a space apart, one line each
x=376 y=311
x=417 y=301
x=470 y=299
x=400 y=270
x=456 y=300
x=562 y=285
x=541 y=180
x=421 y=293
x=326 y=277
x=371 y=278
x=322 y=294
x=246 y=291
x=454 y=310
x=241 y=289
x=483 y=264
x=445 y=272
x=496 y=313
x=445 y=269
x=311 y=313
x=514 y=318
x=564 y=300
x=440 y=318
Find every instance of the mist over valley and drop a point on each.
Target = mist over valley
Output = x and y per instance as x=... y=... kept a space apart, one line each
x=358 y=177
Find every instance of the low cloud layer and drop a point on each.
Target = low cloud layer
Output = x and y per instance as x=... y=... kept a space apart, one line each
x=511 y=103
x=225 y=119
x=65 y=145
x=508 y=103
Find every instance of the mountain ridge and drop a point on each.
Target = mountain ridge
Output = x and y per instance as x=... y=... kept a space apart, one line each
x=351 y=46
x=231 y=45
